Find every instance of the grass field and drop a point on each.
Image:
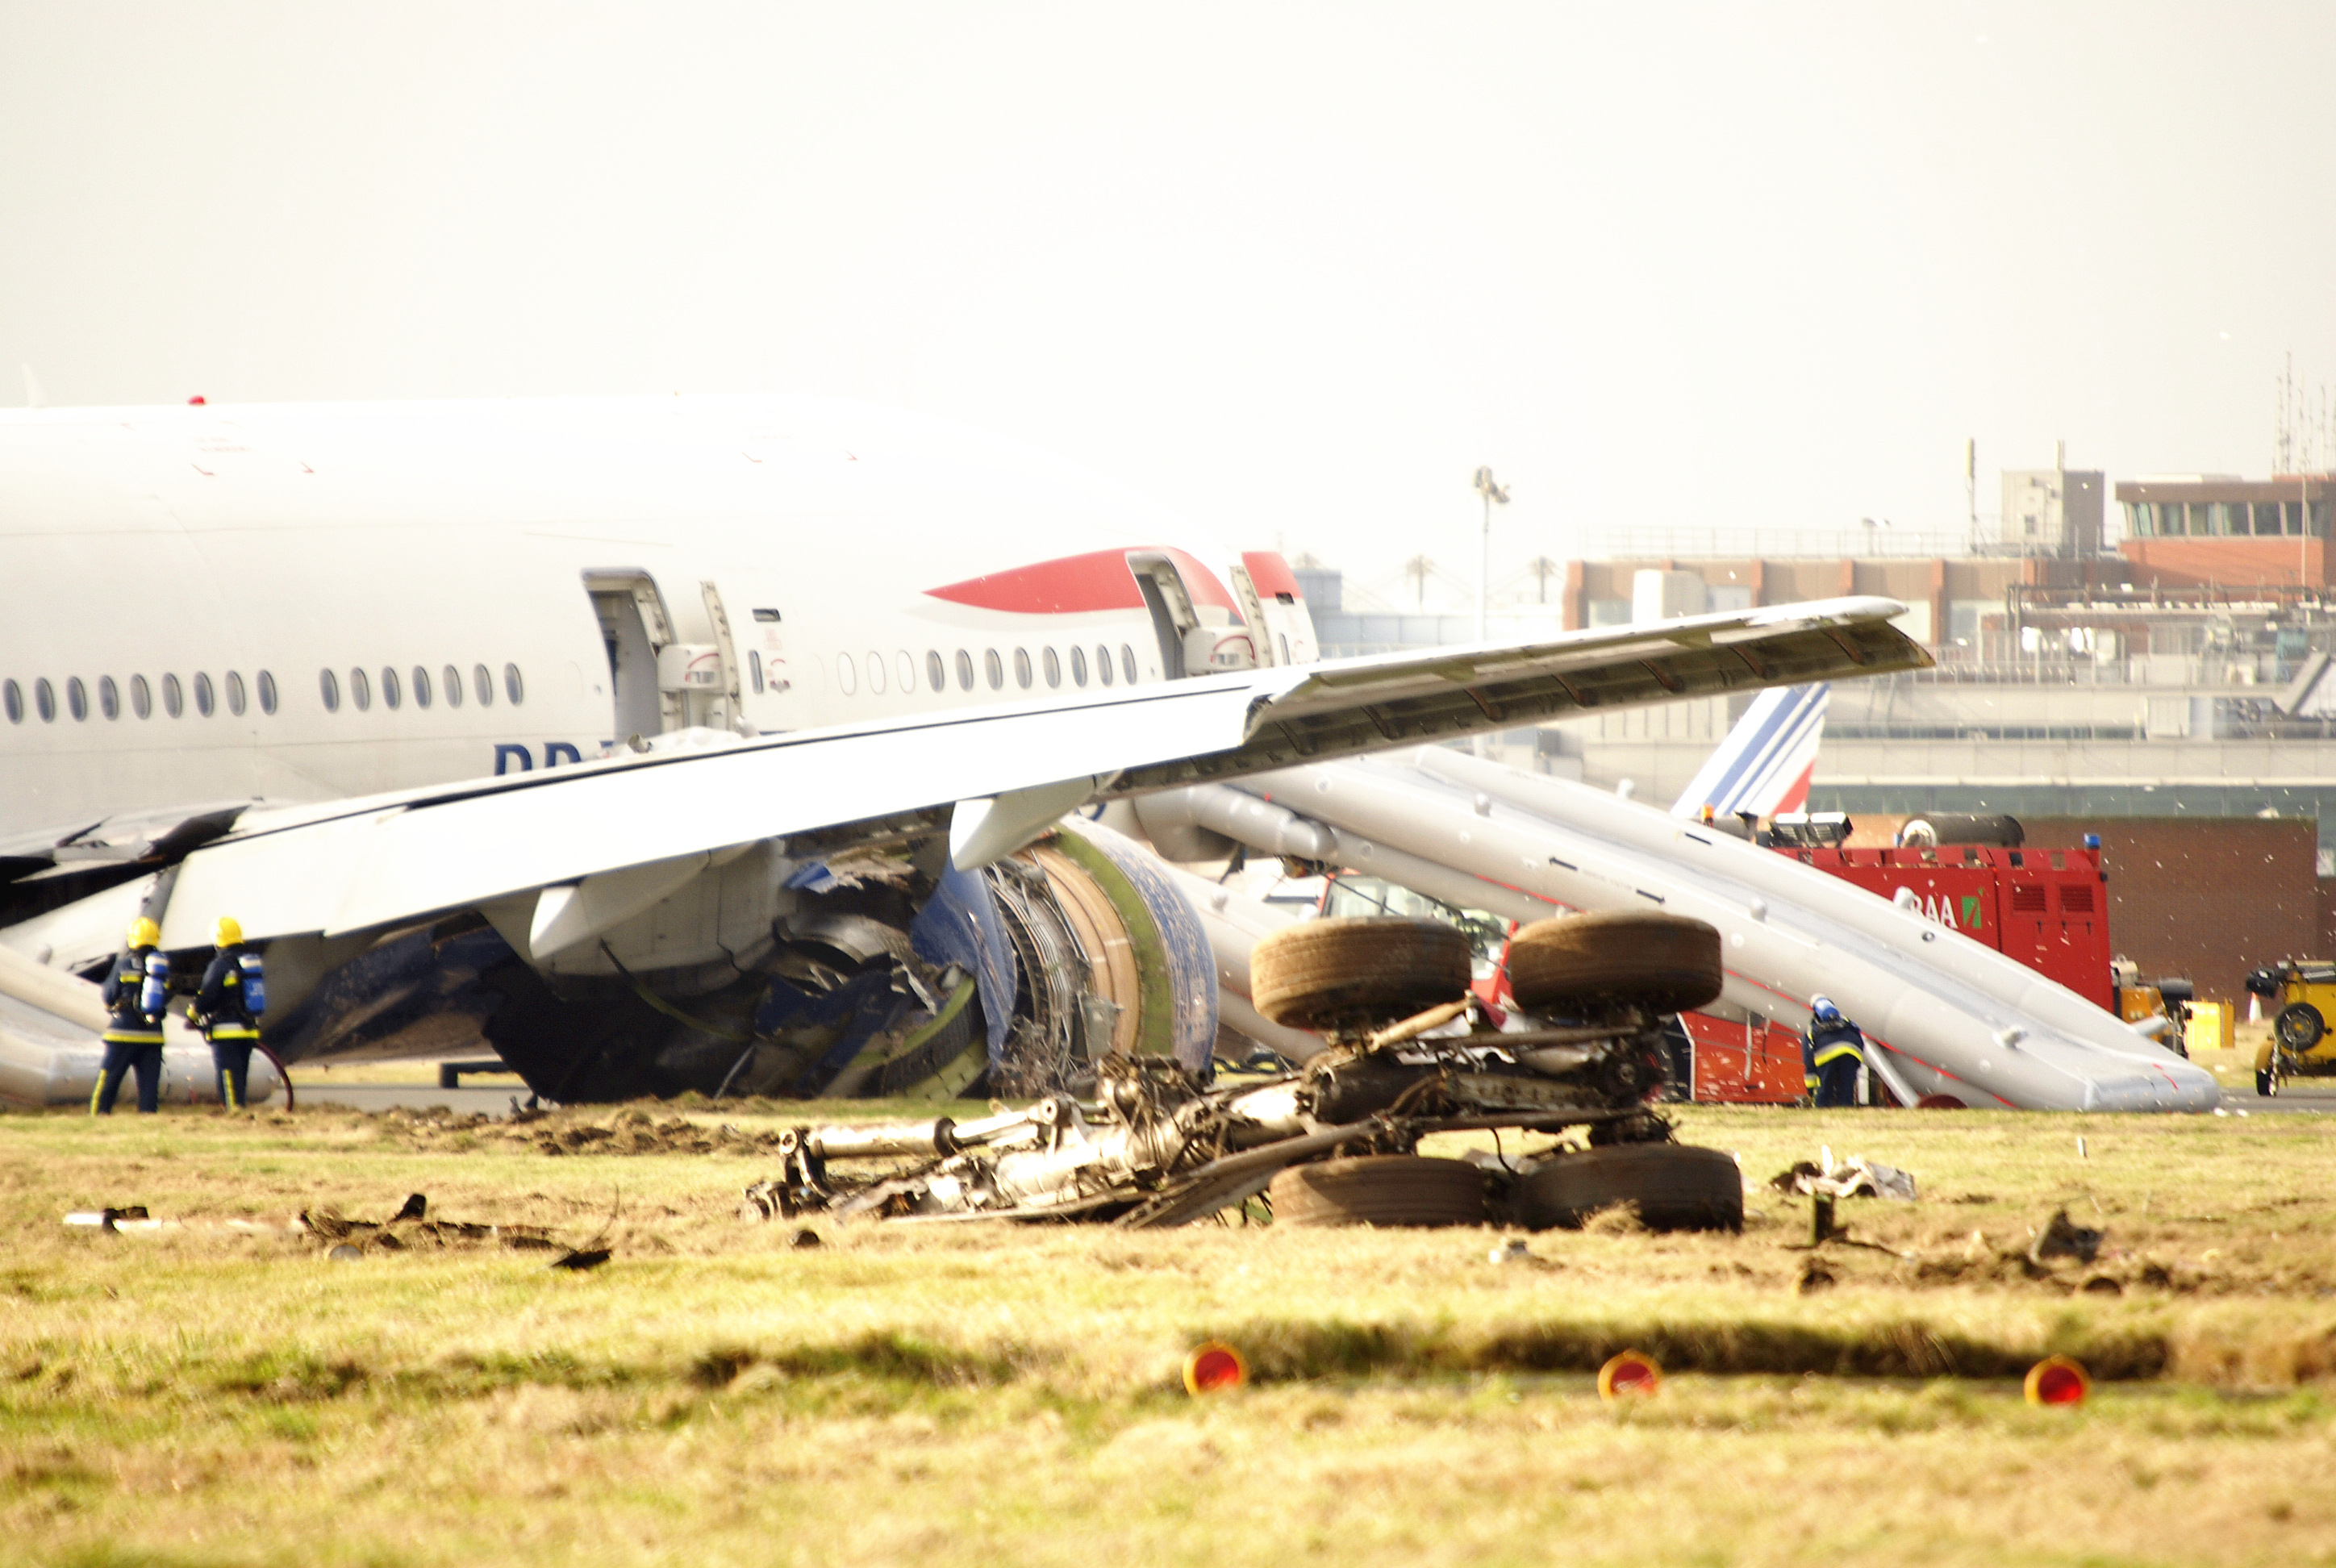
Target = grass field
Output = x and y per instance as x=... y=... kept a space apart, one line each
x=719 y=1393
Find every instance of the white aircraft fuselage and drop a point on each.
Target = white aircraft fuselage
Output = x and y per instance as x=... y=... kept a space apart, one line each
x=293 y=603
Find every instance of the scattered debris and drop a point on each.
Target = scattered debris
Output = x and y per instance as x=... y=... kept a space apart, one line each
x=1852 y=1178
x=2062 y=1240
x=343 y=1253
x=582 y=1258
x=1513 y=1250
x=408 y=1228
x=1815 y=1277
x=808 y=1238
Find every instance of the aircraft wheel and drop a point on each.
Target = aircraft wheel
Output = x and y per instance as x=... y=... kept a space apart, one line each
x=2299 y=1027
x=1675 y=1187
x=1387 y=1190
x=1325 y=972
x=2266 y=1081
x=1577 y=963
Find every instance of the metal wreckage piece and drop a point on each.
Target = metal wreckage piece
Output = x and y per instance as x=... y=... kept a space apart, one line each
x=1157 y=1147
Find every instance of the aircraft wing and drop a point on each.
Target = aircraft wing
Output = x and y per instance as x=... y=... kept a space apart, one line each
x=995 y=775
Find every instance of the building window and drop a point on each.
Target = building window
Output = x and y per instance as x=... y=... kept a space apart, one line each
x=1103 y=663
x=421 y=685
x=267 y=692
x=1052 y=664
x=44 y=700
x=329 y=685
x=514 y=687
x=12 y=696
x=995 y=667
x=754 y=669
x=109 y=697
x=847 y=675
x=1127 y=662
x=936 y=672
x=453 y=687
x=76 y=699
x=174 y=698
x=1078 y=665
x=964 y=670
x=1022 y=668
x=392 y=692
x=875 y=673
x=483 y=686
x=360 y=689
x=141 y=696
x=235 y=697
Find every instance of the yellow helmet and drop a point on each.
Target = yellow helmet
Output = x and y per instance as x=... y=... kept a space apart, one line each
x=144 y=934
x=226 y=932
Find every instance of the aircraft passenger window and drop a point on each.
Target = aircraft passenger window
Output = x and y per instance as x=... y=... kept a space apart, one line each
x=1022 y=668
x=267 y=693
x=755 y=669
x=453 y=687
x=235 y=693
x=392 y=694
x=847 y=675
x=1078 y=665
x=876 y=674
x=936 y=673
x=994 y=668
x=1127 y=662
x=203 y=700
x=421 y=685
x=360 y=690
x=483 y=685
x=964 y=670
x=174 y=699
x=1103 y=663
x=141 y=696
x=1054 y=665
x=13 y=697
x=44 y=697
x=76 y=699
x=907 y=668
x=109 y=697
x=328 y=683
x=514 y=688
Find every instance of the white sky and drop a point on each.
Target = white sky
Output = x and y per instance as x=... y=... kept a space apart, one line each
x=1296 y=270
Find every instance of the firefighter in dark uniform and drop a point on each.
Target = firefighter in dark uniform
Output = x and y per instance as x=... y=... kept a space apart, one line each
x=1837 y=1052
x=234 y=993
x=136 y=990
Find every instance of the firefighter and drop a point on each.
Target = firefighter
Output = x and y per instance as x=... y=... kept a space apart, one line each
x=136 y=990
x=1837 y=1050
x=234 y=993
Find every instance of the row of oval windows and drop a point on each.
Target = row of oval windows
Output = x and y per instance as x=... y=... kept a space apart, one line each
x=141 y=696
x=394 y=690
x=937 y=670
x=207 y=695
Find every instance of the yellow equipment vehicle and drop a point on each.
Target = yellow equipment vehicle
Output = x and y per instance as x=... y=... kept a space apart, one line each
x=2304 y=991
x=2158 y=1008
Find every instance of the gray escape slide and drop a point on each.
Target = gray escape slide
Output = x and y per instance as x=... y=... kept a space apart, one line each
x=1954 y=1016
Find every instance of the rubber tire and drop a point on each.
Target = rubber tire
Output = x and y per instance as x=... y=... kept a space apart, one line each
x=1940 y=1103
x=1676 y=1187
x=2266 y=1084
x=1576 y=963
x=2299 y=1027
x=1384 y=1190
x=1323 y=971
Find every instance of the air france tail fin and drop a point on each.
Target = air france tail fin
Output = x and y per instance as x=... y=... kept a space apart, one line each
x=1763 y=767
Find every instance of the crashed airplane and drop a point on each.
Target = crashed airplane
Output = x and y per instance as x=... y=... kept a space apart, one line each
x=736 y=745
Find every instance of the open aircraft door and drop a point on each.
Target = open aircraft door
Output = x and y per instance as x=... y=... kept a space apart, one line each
x=1196 y=620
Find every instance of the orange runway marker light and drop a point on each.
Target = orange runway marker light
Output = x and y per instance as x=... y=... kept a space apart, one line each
x=1215 y=1367
x=2058 y=1380
x=1629 y=1373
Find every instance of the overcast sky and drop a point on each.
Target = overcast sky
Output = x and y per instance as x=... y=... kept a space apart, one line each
x=1295 y=270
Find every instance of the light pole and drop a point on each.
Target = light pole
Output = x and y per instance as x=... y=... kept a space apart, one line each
x=1493 y=494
